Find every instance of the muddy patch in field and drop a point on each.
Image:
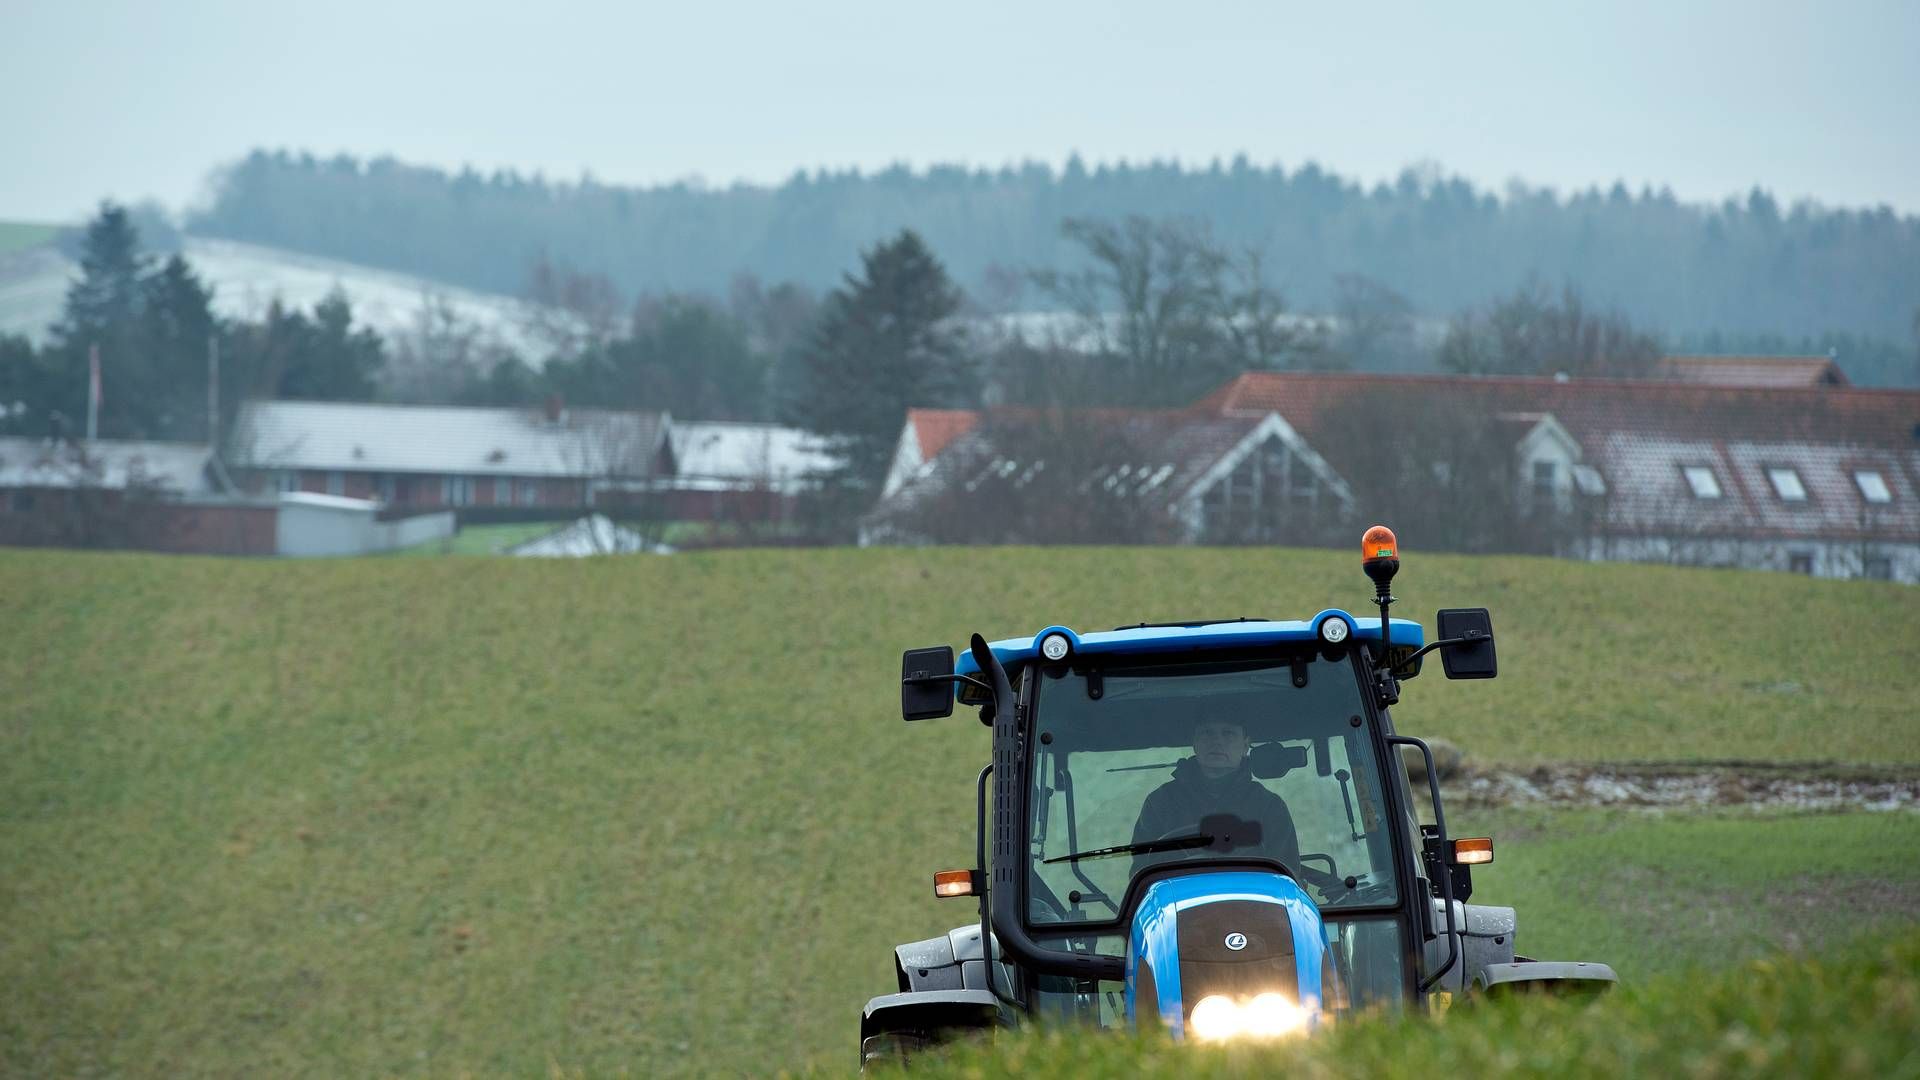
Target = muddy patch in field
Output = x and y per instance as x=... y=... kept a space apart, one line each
x=1686 y=787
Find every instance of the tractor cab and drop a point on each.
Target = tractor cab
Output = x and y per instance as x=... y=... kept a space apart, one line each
x=1204 y=826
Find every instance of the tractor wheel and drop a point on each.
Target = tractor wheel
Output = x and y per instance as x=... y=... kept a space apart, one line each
x=892 y=1048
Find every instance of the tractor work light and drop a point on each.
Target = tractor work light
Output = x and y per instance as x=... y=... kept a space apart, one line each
x=1473 y=851
x=1334 y=631
x=951 y=883
x=1270 y=1015
x=1055 y=646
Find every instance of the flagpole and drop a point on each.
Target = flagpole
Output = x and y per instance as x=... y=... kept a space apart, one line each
x=93 y=391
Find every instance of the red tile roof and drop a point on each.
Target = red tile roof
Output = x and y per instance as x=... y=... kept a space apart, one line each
x=1593 y=408
x=1754 y=370
x=935 y=428
x=1640 y=432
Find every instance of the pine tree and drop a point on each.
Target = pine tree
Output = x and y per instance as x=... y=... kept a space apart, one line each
x=169 y=378
x=886 y=342
x=106 y=300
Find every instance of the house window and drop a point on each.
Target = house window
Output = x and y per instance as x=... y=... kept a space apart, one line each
x=1701 y=479
x=384 y=485
x=1800 y=562
x=336 y=483
x=529 y=492
x=1589 y=481
x=287 y=480
x=1877 y=567
x=503 y=491
x=1546 y=476
x=1787 y=485
x=1873 y=486
x=19 y=501
x=456 y=490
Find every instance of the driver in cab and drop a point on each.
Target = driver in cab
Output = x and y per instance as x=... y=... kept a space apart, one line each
x=1217 y=779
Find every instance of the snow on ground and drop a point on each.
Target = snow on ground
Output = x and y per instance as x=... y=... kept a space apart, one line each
x=247 y=277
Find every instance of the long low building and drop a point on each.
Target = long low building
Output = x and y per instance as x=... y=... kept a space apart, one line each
x=430 y=457
x=1789 y=470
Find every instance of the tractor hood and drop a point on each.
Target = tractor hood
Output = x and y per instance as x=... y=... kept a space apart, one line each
x=1228 y=954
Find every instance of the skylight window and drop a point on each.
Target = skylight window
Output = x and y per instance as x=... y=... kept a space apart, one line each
x=1873 y=486
x=1787 y=485
x=1701 y=479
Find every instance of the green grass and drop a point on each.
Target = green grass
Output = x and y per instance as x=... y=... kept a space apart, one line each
x=1856 y=1014
x=15 y=235
x=482 y=539
x=1649 y=893
x=424 y=816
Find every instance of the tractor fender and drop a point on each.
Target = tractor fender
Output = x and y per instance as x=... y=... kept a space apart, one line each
x=931 y=1013
x=1558 y=977
x=952 y=961
x=1486 y=939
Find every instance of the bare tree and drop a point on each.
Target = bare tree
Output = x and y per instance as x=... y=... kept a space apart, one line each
x=1172 y=306
x=1374 y=329
x=1042 y=476
x=442 y=357
x=613 y=454
x=1534 y=333
x=570 y=311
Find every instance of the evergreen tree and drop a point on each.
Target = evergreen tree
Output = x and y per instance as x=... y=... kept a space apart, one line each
x=151 y=327
x=27 y=385
x=318 y=358
x=105 y=302
x=885 y=343
x=684 y=356
x=176 y=327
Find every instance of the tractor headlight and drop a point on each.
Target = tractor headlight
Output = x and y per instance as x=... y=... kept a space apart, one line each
x=1215 y=1017
x=1334 y=630
x=1054 y=646
x=1267 y=1016
x=1272 y=1014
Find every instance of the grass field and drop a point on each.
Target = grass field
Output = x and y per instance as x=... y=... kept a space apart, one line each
x=1855 y=1014
x=15 y=235
x=659 y=814
x=481 y=539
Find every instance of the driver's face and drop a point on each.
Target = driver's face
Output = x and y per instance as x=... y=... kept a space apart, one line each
x=1219 y=744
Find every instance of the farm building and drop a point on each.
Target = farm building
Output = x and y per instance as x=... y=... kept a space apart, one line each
x=1789 y=469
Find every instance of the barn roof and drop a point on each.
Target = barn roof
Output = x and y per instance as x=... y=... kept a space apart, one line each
x=358 y=436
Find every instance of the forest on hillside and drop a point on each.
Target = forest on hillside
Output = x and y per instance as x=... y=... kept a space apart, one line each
x=1749 y=270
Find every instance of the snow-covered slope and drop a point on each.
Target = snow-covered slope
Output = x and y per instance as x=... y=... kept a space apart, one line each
x=247 y=277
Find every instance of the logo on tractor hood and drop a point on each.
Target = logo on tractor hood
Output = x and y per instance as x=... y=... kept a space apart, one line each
x=1236 y=941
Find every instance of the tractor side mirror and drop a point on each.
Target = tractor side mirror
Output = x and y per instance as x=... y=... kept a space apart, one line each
x=926 y=683
x=1473 y=657
x=1272 y=760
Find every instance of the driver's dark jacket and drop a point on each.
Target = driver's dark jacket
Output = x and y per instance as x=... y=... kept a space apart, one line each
x=1181 y=802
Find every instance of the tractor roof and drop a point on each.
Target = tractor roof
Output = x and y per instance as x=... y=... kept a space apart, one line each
x=1196 y=637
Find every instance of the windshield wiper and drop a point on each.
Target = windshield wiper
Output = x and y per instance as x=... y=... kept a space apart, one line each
x=1143 y=848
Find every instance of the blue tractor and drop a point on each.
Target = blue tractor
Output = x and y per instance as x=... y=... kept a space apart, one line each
x=1200 y=826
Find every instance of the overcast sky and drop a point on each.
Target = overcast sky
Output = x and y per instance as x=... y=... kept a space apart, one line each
x=144 y=99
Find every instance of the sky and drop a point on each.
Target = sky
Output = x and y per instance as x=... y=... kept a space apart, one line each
x=135 y=100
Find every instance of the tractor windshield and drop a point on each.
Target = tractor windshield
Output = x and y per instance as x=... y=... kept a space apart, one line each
x=1139 y=766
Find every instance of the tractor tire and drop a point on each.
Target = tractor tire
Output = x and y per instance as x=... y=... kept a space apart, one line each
x=892 y=1048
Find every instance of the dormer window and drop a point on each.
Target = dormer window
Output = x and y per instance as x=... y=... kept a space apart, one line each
x=1701 y=479
x=1787 y=485
x=1589 y=481
x=1873 y=486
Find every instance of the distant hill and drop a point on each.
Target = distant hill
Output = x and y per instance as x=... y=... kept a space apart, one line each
x=1744 y=267
x=248 y=277
x=15 y=235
